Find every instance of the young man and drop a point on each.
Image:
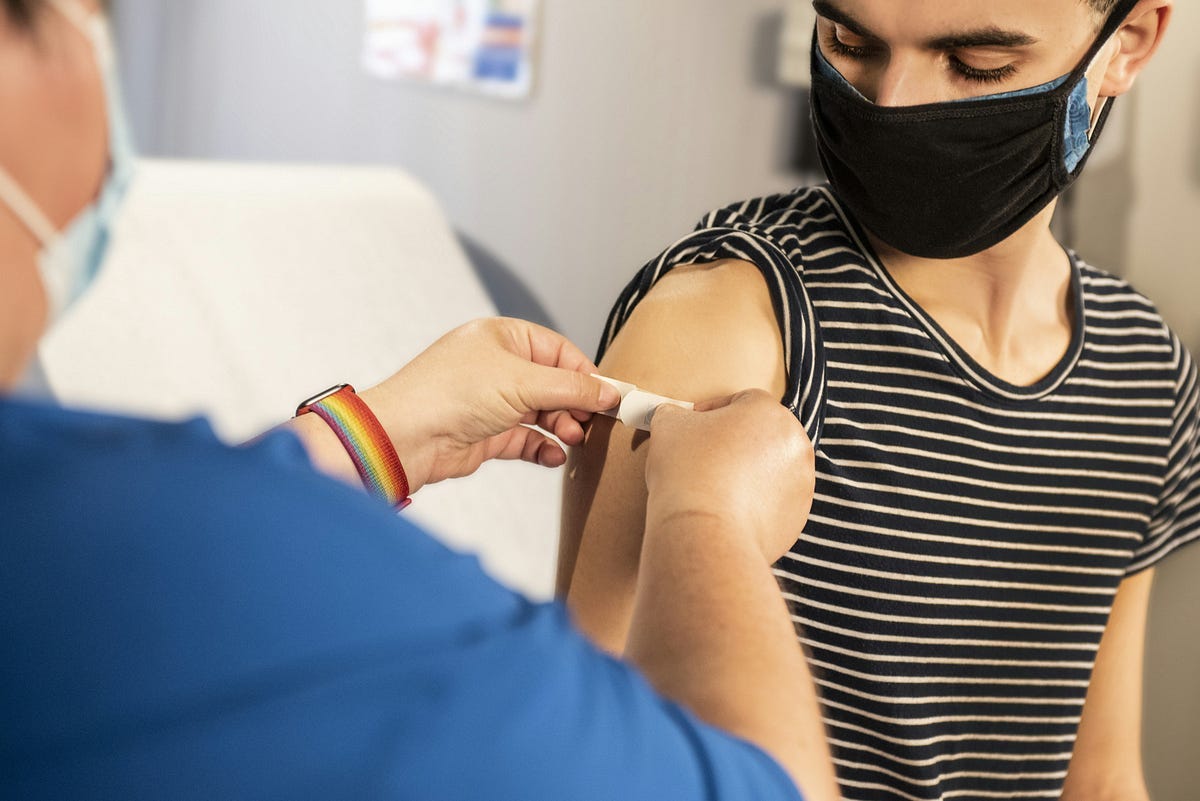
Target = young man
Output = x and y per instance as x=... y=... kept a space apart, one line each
x=1007 y=438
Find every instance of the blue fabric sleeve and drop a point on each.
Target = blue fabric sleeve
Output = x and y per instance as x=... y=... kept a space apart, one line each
x=187 y=621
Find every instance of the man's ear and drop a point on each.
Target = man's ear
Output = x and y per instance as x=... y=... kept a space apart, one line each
x=1137 y=40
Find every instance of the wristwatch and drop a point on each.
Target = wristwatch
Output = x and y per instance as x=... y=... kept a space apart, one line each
x=368 y=445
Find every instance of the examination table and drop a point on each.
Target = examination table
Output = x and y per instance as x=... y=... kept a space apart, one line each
x=236 y=291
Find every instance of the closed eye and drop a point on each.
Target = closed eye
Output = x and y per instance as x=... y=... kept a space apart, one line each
x=862 y=50
x=977 y=75
x=859 y=51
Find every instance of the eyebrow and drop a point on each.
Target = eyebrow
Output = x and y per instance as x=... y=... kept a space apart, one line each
x=984 y=37
x=831 y=12
x=990 y=36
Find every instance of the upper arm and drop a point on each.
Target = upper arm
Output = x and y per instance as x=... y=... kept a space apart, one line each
x=1107 y=761
x=702 y=332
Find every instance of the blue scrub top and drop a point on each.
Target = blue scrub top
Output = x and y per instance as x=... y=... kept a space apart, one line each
x=183 y=620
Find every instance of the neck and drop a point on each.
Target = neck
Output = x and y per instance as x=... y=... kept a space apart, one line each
x=22 y=300
x=1009 y=307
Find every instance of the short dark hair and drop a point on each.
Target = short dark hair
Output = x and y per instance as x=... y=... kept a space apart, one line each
x=1102 y=6
x=21 y=12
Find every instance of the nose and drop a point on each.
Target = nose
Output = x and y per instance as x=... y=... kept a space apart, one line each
x=905 y=81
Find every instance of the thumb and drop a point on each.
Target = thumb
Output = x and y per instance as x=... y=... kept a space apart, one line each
x=666 y=415
x=551 y=389
x=716 y=403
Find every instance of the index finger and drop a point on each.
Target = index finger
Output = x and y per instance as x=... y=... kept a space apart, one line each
x=551 y=349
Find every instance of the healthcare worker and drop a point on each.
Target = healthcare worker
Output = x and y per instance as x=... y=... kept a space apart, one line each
x=1007 y=438
x=181 y=619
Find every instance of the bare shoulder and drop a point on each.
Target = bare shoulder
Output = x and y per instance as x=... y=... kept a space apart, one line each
x=703 y=331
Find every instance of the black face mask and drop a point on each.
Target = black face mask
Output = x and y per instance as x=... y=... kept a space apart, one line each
x=949 y=180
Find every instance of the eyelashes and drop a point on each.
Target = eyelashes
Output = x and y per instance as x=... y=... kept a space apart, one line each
x=964 y=70
x=982 y=76
x=848 y=51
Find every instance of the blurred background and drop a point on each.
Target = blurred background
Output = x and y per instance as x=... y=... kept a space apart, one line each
x=645 y=115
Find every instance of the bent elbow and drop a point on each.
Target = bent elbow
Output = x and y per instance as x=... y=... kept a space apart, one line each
x=1132 y=790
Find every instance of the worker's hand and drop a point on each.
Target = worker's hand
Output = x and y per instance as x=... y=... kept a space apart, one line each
x=745 y=460
x=470 y=397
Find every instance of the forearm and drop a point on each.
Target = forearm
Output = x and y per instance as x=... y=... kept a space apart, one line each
x=1125 y=790
x=325 y=450
x=604 y=507
x=1107 y=762
x=329 y=456
x=711 y=631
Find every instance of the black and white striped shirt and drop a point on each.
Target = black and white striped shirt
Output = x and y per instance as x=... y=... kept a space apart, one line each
x=967 y=536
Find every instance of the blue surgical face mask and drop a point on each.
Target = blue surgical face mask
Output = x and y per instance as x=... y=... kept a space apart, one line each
x=34 y=384
x=69 y=260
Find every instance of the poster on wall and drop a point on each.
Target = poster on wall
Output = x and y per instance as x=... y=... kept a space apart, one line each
x=481 y=45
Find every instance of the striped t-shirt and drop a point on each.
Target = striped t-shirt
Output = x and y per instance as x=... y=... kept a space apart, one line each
x=968 y=536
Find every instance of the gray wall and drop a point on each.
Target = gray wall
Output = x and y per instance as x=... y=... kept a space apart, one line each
x=1137 y=209
x=1139 y=212
x=647 y=114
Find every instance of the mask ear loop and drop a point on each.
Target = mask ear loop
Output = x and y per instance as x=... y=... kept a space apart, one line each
x=75 y=13
x=11 y=193
x=1103 y=101
x=26 y=210
x=1114 y=22
x=1097 y=115
x=91 y=25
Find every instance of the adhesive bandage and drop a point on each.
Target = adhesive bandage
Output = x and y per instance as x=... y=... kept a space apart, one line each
x=637 y=406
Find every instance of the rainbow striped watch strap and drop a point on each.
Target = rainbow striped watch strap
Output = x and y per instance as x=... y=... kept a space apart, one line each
x=364 y=439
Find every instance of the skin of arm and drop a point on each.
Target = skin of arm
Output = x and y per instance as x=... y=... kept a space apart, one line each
x=727 y=490
x=1107 y=762
x=702 y=332
x=472 y=396
x=710 y=629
